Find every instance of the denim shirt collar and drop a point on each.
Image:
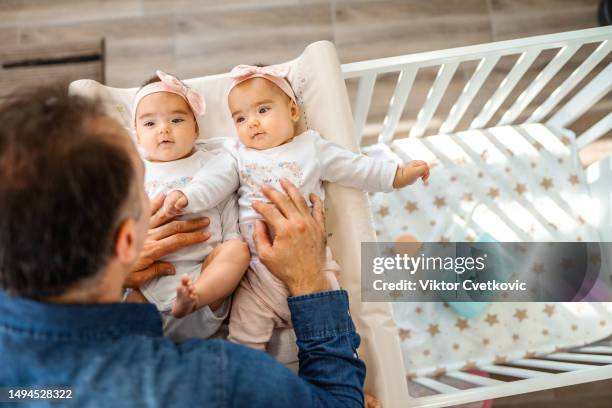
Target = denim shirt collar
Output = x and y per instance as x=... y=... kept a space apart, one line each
x=77 y=321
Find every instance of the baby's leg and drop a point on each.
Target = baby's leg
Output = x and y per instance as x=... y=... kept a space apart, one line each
x=221 y=273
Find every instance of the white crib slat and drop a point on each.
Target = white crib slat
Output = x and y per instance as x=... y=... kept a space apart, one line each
x=583 y=100
x=436 y=92
x=435 y=385
x=513 y=371
x=398 y=101
x=362 y=102
x=551 y=365
x=474 y=379
x=595 y=132
x=538 y=83
x=569 y=84
x=595 y=349
x=581 y=357
x=518 y=70
x=470 y=90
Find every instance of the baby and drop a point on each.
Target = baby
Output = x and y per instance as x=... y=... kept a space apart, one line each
x=266 y=115
x=164 y=116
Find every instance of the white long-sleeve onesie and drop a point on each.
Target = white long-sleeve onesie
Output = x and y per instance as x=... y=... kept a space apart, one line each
x=307 y=160
x=217 y=202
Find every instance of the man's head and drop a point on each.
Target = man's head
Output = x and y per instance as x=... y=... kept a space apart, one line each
x=72 y=201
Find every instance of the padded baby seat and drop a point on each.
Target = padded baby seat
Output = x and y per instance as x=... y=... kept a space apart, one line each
x=317 y=81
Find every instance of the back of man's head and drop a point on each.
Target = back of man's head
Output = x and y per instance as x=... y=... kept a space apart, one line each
x=66 y=182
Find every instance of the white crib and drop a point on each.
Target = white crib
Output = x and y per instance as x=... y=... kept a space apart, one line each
x=557 y=112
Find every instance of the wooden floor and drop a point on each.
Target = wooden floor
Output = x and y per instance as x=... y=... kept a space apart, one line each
x=198 y=37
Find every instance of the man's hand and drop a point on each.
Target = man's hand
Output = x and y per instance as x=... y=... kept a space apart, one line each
x=296 y=256
x=175 y=203
x=165 y=235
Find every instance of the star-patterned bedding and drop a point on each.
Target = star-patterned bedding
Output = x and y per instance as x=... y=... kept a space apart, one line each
x=514 y=183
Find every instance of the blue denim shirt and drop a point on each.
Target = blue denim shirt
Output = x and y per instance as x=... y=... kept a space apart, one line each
x=115 y=355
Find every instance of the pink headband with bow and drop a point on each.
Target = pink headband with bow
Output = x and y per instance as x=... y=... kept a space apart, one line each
x=276 y=74
x=170 y=83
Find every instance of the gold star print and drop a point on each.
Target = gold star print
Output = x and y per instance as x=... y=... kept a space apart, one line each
x=469 y=365
x=533 y=164
x=491 y=319
x=383 y=211
x=411 y=206
x=546 y=183
x=520 y=314
x=507 y=169
x=418 y=310
x=462 y=324
x=574 y=327
x=529 y=354
x=432 y=223
x=453 y=179
x=545 y=332
x=433 y=330
x=480 y=174
x=537 y=145
x=520 y=188
x=493 y=193
x=537 y=268
x=573 y=179
x=404 y=334
x=549 y=310
x=484 y=155
x=468 y=197
x=485 y=341
x=500 y=359
x=602 y=323
x=440 y=202
x=565 y=141
x=456 y=347
x=515 y=337
x=426 y=352
x=439 y=372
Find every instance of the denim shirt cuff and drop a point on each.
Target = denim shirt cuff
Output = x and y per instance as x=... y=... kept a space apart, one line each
x=321 y=315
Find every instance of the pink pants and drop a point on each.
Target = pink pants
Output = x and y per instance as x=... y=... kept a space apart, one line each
x=259 y=304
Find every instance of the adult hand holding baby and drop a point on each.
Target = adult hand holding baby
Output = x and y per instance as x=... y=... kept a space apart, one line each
x=165 y=235
x=296 y=254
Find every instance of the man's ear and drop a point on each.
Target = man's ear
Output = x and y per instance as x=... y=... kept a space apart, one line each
x=294 y=111
x=126 y=249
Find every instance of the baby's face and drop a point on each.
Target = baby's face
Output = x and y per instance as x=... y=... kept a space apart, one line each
x=264 y=116
x=165 y=127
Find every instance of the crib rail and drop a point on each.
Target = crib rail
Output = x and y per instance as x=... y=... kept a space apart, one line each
x=559 y=369
x=556 y=109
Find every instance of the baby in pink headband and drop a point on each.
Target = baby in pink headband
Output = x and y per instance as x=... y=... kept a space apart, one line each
x=164 y=116
x=265 y=112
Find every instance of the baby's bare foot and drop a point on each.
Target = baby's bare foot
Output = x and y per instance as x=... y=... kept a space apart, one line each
x=186 y=298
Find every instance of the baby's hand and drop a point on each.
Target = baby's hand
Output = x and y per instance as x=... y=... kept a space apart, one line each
x=174 y=203
x=411 y=172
